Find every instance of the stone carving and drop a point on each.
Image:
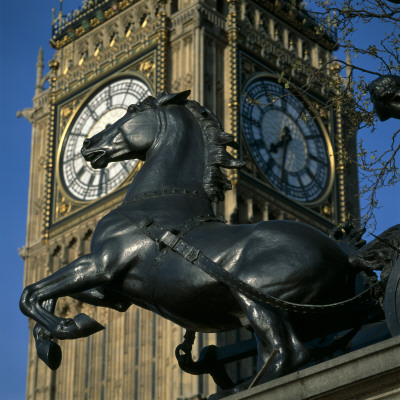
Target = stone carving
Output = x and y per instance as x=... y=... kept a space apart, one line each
x=147 y=68
x=164 y=249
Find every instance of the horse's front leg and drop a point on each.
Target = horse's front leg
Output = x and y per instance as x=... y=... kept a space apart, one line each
x=78 y=276
x=48 y=350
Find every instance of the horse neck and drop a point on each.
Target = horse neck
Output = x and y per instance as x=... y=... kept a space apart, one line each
x=176 y=162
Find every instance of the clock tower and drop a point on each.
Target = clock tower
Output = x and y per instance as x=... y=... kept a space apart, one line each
x=232 y=55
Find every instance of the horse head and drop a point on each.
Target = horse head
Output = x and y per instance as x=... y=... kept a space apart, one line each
x=169 y=124
x=132 y=135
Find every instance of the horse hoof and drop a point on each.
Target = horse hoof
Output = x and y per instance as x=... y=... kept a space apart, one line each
x=87 y=325
x=81 y=326
x=49 y=352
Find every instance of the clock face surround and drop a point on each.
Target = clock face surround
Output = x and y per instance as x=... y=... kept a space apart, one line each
x=286 y=143
x=104 y=107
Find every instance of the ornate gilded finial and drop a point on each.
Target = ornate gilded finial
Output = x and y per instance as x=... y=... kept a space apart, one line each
x=59 y=16
x=53 y=65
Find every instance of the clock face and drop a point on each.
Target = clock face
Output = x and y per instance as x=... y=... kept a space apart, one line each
x=105 y=107
x=286 y=143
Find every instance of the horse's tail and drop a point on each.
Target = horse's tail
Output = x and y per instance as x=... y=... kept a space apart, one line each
x=378 y=255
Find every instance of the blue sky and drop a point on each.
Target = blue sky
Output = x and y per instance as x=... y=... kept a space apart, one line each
x=24 y=27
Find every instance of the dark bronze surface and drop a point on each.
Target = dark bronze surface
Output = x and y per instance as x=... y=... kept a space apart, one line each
x=385 y=95
x=168 y=272
x=392 y=300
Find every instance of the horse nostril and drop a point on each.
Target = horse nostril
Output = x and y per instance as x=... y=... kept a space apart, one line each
x=86 y=143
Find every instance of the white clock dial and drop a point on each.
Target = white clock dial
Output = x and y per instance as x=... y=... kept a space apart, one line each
x=105 y=107
x=285 y=141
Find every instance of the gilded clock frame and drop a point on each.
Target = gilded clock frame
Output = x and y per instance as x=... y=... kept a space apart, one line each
x=83 y=101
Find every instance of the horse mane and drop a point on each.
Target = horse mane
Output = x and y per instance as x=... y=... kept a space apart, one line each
x=216 y=140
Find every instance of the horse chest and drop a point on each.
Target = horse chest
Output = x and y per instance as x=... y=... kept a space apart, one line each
x=140 y=281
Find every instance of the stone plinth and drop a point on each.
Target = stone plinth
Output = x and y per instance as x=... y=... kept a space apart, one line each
x=371 y=373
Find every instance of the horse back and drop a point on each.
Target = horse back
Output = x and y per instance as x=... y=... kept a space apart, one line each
x=286 y=259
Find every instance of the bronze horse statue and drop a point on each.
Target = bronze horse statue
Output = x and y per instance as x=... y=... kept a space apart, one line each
x=135 y=256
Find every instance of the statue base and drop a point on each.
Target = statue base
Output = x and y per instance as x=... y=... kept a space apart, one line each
x=369 y=373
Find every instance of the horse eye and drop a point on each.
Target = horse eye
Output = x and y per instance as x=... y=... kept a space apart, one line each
x=132 y=108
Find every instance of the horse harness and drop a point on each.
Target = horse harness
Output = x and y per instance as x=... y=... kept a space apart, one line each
x=195 y=257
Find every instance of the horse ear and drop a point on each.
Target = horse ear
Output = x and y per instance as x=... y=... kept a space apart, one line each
x=172 y=98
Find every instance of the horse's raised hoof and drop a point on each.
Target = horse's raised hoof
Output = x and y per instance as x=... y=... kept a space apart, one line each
x=81 y=326
x=87 y=325
x=49 y=352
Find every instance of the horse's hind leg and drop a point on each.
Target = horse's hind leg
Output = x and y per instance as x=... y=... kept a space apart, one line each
x=273 y=331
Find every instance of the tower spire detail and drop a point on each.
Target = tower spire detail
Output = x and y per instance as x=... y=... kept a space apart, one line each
x=349 y=67
x=39 y=72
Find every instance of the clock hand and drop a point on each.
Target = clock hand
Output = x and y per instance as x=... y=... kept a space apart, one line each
x=285 y=146
x=286 y=138
x=273 y=148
